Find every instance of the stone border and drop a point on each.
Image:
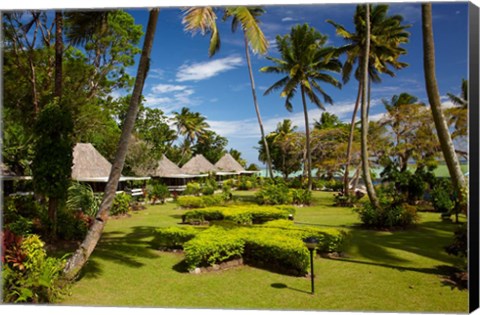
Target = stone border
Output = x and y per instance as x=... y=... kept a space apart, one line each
x=219 y=267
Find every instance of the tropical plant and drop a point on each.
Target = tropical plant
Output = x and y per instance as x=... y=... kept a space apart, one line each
x=387 y=34
x=81 y=197
x=458 y=114
x=203 y=19
x=305 y=61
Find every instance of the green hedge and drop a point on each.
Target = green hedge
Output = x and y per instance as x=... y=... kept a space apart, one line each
x=175 y=237
x=276 y=245
x=190 y=202
x=239 y=214
x=211 y=247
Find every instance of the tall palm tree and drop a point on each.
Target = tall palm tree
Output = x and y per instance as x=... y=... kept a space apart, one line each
x=387 y=33
x=364 y=114
x=80 y=257
x=305 y=61
x=441 y=126
x=203 y=19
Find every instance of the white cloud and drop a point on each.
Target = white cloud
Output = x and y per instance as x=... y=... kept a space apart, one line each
x=165 y=88
x=288 y=19
x=206 y=70
x=156 y=74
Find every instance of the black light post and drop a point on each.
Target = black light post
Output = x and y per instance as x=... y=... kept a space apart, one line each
x=311 y=243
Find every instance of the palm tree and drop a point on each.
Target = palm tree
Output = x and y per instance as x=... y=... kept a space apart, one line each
x=203 y=19
x=387 y=33
x=305 y=62
x=80 y=257
x=441 y=126
x=459 y=113
x=364 y=113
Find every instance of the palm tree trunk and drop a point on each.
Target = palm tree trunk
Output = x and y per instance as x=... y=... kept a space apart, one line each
x=350 y=142
x=365 y=165
x=307 y=134
x=257 y=109
x=78 y=260
x=446 y=143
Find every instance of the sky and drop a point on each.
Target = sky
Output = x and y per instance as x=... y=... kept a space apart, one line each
x=183 y=75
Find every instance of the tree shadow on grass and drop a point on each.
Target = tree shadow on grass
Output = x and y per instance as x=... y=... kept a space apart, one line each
x=125 y=249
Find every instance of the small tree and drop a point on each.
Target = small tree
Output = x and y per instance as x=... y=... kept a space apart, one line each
x=52 y=162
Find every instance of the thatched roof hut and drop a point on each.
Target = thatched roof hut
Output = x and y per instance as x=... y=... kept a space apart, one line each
x=166 y=168
x=228 y=164
x=88 y=163
x=198 y=165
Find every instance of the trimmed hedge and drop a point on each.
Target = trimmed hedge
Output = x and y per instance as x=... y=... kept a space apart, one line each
x=250 y=214
x=212 y=246
x=174 y=237
x=276 y=245
x=190 y=202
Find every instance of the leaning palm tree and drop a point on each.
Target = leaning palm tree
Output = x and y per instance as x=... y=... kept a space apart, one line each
x=441 y=126
x=388 y=33
x=305 y=61
x=203 y=19
x=80 y=257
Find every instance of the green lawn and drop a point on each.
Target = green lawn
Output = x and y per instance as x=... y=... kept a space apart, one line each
x=383 y=271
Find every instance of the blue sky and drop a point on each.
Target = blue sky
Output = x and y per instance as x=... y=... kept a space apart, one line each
x=182 y=74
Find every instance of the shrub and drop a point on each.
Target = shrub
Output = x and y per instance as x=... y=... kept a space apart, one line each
x=459 y=246
x=190 y=202
x=81 y=197
x=389 y=215
x=174 y=237
x=211 y=247
x=442 y=200
x=274 y=194
x=193 y=188
x=208 y=190
x=72 y=226
x=158 y=191
x=28 y=274
x=334 y=185
x=238 y=214
x=301 y=196
x=121 y=204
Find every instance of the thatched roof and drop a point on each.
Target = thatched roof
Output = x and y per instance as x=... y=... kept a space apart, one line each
x=198 y=165
x=228 y=164
x=89 y=163
x=165 y=168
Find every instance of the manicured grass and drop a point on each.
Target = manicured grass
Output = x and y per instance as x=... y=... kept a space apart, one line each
x=397 y=271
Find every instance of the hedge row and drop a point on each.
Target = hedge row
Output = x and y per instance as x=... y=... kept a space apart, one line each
x=275 y=245
x=190 y=202
x=240 y=214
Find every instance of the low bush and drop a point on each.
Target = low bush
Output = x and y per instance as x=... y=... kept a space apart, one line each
x=301 y=196
x=239 y=214
x=121 y=204
x=333 y=185
x=390 y=215
x=211 y=247
x=174 y=237
x=29 y=276
x=190 y=202
x=157 y=191
x=274 y=194
x=193 y=188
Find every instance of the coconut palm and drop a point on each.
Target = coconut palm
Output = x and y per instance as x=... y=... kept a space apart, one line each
x=458 y=114
x=387 y=34
x=189 y=124
x=203 y=19
x=441 y=126
x=80 y=257
x=306 y=62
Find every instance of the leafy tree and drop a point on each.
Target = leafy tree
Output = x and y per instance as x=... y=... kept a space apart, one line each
x=388 y=34
x=305 y=61
x=203 y=19
x=441 y=126
x=52 y=162
x=211 y=146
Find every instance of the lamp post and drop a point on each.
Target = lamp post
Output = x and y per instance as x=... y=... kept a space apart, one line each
x=311 y=243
